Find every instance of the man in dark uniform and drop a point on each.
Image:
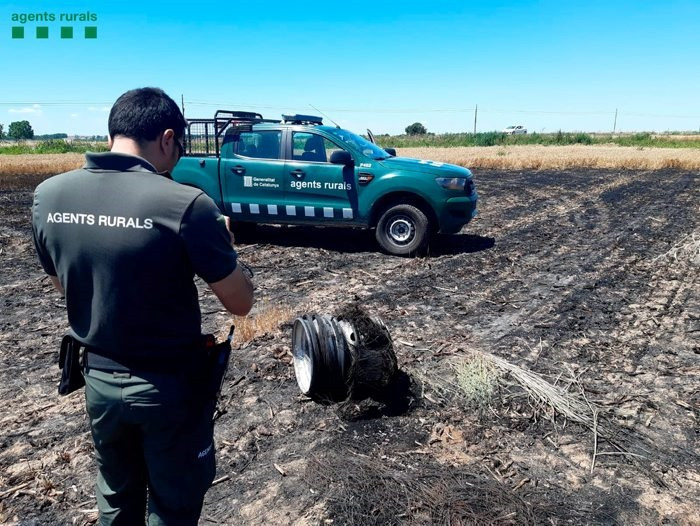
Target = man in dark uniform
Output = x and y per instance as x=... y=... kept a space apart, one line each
x=123 y=241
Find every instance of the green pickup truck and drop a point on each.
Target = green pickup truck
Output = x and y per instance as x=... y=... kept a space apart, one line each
x=298 y=171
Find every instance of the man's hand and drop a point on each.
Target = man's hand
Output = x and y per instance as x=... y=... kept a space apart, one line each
x=57 y=285
x=228 y=227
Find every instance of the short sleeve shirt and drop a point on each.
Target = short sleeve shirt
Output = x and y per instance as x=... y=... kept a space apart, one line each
x=126 y=242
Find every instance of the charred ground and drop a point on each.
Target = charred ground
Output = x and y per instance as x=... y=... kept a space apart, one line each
x=588 y=278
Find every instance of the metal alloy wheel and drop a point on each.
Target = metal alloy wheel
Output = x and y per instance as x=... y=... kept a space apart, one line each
x=401 y=229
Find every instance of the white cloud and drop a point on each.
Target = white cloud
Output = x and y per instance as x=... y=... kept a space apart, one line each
x=74 y=115
x=103 y=109
x=33 y=109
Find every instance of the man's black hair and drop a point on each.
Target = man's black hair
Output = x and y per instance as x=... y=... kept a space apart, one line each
x=141 y=114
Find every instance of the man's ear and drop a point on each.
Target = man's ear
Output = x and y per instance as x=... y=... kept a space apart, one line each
x=110 y=142
x=168 y=135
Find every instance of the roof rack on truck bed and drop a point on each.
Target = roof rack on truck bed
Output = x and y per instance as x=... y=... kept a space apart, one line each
x=202 y=136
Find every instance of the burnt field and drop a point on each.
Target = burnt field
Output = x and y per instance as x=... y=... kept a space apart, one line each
x=582 y=284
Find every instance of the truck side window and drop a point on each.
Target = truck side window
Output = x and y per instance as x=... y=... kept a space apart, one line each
x=259 y=144
x=312 y=147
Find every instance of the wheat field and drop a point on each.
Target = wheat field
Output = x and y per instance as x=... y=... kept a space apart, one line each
x=31 y=169
x=27 y=169
x=538 y=157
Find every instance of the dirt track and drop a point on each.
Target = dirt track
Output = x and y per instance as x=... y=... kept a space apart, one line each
x=589 y=278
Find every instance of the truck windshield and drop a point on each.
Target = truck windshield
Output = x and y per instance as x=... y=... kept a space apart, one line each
x=358 y=143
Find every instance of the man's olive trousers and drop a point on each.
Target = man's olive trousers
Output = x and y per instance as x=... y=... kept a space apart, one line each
x=155 y=447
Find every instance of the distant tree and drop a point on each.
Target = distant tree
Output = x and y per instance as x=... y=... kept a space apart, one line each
x=20 y=130
x=416 y=129
x=49 y=136
x=1 y=134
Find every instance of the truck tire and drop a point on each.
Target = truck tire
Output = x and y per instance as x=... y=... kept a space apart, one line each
x=403 y=230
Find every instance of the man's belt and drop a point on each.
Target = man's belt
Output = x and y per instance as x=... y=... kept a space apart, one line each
x=187 y=358
x=94 y=360
x=207 y=359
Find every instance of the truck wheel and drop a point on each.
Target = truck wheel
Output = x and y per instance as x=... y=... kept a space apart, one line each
x=403 y=230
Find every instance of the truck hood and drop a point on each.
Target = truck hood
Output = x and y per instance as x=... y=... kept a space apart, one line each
x=435 y=168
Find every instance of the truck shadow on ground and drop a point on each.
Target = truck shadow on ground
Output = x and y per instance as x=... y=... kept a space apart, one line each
x=453 y=244
x=351 y=240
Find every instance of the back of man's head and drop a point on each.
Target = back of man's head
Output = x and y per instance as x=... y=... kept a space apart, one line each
x=141 y=114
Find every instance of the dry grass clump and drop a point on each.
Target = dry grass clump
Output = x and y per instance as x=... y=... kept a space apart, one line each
x=27 y=170
x=477 y=381
x=498 y=383
x=538 y=157
x=573 y=406
x=266 y=320
x=688 y=248
x=478 y=377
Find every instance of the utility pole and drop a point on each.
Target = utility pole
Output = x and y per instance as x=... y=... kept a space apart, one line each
x=615 y=122
x=476 y=109
x=182 y=99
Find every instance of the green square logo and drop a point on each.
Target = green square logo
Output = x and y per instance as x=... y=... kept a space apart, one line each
x=66 y=32
x=90 y=31
x=42 y=32
x=17 y=32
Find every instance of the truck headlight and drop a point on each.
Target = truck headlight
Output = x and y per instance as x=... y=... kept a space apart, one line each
x=451 y=183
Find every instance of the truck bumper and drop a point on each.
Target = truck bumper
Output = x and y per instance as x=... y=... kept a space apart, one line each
x=458 y=211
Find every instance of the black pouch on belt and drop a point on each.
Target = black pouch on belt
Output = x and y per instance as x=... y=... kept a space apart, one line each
x=218 y=355
x=70 y=361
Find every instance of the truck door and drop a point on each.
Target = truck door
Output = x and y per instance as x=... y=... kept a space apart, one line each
x=252 y=176
x=316 y=190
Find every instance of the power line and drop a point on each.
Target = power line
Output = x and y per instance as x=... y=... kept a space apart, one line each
x=633 y=114
x=442 y=110
x=345 y=110
x=55 y=103
x=222 y=104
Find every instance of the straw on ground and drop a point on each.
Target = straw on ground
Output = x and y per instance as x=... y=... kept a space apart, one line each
x=266 y=319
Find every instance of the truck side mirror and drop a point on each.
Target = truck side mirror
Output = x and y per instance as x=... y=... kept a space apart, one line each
x=391 y=151
x=341 y=157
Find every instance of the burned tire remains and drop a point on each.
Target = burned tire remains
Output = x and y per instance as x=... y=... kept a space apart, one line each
x=346 y=357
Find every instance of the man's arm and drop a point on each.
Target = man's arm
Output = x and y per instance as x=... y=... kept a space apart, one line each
x=58 y=285
x=235 y=292
x=209 y=245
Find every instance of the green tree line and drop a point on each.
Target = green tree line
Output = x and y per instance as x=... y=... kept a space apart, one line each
x=22 y=130
x=417 y=136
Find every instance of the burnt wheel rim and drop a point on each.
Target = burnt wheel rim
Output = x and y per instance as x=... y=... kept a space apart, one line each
x=303 y=356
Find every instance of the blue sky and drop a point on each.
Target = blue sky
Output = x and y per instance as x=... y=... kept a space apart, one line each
x=547 y=65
